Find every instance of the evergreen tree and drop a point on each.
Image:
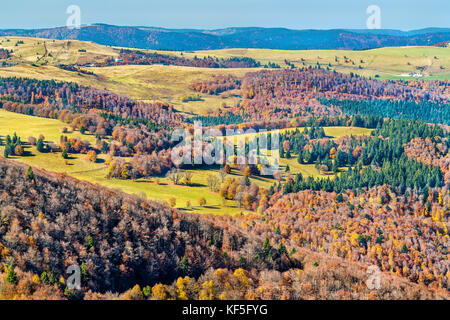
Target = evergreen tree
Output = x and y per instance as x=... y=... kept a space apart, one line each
x=184 y=265
x=30 y=174
x=11 y=276
x=40 y=145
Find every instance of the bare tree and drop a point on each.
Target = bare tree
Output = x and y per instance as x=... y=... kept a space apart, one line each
x=175 y=175
x=188 y=177
x=222 y=174
x=213 y=183
x=238 y=198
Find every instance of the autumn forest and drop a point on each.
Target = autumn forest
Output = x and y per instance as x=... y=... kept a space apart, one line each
x=87 y=176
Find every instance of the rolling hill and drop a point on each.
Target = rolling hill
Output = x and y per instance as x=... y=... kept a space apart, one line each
x=264 y=38
x=41 y=59
x=333 y=215
x=51 y=221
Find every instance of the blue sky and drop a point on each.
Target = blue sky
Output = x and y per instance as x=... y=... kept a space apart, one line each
x=210 y=14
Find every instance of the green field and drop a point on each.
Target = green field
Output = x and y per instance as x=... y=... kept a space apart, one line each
x=336 y=132
x=79 y=167
x=331 y=132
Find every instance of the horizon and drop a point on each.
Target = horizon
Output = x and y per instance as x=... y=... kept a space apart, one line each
x=230 y=27
x=201 y=14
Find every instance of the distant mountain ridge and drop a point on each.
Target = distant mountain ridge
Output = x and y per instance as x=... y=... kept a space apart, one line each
x=236 y=37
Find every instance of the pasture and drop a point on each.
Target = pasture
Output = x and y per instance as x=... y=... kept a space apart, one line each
x=155 y=188
x=387 y=63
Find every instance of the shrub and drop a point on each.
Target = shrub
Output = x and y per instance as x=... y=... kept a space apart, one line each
x=92 y=156
x=201 y=201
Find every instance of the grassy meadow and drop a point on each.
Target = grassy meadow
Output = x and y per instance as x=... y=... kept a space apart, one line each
x=155 y=188
x=387 y=63
x=167 y=83
x=332 y=132
x=81 y=168
x=53 y=52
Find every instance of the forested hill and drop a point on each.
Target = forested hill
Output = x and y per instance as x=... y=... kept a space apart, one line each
x=265 y=38
x=50 y=221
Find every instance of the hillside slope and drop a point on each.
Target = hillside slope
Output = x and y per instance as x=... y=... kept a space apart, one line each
x=50 y=221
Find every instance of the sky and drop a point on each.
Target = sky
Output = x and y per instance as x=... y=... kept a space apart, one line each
x=213 y=14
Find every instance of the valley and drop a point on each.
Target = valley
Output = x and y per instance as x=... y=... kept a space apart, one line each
x=88 y=176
